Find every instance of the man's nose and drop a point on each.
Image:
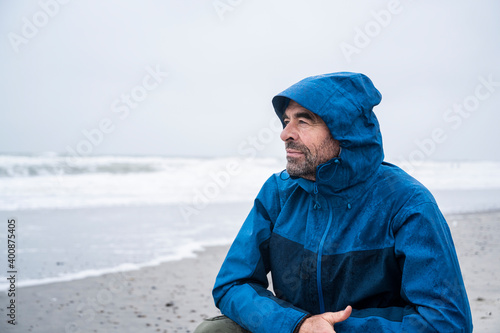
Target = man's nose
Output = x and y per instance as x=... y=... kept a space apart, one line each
x=289 y=133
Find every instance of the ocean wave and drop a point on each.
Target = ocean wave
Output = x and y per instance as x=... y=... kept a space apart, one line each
x=32 y=166
x=182 y=252
x=39 y=182
x=123 y=181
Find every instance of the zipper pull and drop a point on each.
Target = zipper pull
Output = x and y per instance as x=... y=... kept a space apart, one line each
x=316 y=202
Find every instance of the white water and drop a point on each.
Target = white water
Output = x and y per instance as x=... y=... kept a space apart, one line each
x=36 y=182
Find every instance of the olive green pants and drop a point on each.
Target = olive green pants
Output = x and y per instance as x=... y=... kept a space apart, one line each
x=219 y=324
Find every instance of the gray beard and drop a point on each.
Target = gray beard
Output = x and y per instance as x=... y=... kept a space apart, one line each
x=307 y=168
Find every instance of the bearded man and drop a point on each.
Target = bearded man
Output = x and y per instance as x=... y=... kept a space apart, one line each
x=353 y=243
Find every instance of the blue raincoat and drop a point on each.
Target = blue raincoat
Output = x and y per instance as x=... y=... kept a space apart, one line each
x=364 y=234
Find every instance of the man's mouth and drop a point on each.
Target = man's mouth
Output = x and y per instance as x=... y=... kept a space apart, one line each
x=293 y=153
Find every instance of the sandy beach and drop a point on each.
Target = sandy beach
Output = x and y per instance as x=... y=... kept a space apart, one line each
x=176 y=296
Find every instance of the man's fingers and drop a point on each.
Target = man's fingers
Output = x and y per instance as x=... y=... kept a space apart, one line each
x=337 y=317
x=346 y=313
x=324 y=322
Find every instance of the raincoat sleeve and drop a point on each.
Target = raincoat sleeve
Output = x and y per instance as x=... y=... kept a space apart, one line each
x=240 y=290
x=431 y=280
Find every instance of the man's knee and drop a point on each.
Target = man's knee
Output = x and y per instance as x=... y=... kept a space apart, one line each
x=220 y=324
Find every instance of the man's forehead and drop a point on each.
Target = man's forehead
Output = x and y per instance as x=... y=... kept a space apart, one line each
x=295 y=108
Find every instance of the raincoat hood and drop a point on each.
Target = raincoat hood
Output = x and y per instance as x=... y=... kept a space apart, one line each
x=345 y=102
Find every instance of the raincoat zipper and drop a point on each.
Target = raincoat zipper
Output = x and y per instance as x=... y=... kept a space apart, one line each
x=318 y=264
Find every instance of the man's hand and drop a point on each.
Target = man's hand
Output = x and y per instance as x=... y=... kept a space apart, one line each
x=323 y=323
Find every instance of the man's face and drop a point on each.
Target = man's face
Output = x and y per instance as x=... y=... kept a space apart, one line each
x=308 y=141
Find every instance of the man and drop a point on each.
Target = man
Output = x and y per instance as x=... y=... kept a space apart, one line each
x=353 y=244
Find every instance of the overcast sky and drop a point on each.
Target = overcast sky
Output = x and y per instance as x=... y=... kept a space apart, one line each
x=196 y=77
